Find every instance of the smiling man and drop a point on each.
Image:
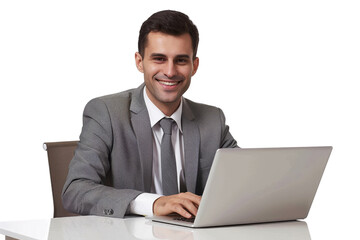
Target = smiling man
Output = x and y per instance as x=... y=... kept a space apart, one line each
x=149 y=150
x=168 y=65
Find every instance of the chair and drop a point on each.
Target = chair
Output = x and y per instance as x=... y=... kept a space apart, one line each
x=59 y=157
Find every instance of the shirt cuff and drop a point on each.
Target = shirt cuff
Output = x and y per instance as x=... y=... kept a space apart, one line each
x=143 y=204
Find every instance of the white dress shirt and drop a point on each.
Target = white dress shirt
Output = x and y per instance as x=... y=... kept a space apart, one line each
x=143 y=203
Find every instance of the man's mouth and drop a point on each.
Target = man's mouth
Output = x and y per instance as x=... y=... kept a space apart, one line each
x=168 y=83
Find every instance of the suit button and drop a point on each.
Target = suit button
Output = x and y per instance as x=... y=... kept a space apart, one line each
x=111 y=211
x=108 y=211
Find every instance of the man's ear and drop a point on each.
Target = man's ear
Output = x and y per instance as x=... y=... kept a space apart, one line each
x=139 y=62
x=195 y=66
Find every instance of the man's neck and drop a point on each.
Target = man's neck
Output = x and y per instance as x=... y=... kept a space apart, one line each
x=167 y=108
x=155 y=114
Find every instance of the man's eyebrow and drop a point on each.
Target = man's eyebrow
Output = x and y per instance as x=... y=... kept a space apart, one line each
x=183 y=56
x=157 y=55
x=163 y=55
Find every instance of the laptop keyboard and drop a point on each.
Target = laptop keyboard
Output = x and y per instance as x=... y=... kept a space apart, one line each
x=191 y=220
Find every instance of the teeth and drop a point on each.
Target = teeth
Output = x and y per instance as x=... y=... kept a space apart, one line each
x=168 y=83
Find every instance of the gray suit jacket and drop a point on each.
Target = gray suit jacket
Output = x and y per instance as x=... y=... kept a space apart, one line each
x=113 y=162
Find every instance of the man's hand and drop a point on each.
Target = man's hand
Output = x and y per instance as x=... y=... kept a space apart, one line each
x=184 y=204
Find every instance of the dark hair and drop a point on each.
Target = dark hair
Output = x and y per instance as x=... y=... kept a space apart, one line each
x=169 y=22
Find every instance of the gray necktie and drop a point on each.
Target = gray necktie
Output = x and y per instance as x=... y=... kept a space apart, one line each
x=168 y=163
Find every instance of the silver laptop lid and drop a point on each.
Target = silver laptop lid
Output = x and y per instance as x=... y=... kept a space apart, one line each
x=261 y=185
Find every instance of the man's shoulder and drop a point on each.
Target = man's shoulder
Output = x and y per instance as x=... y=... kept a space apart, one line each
x=115 y=103
x=117 y=96
x=203 y=113
x=200 y=107
x=123 y=97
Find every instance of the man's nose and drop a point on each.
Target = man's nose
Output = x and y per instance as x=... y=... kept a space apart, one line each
x=170 y=69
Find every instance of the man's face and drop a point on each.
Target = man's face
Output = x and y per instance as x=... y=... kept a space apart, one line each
x=168 y=66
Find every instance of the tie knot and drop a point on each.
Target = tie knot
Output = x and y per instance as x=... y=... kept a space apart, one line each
x=166 y=125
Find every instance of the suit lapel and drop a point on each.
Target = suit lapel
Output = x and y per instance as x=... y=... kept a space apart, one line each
x=191 y=146
x=141 y=125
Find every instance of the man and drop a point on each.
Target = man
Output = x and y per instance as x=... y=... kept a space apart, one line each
x=149 y=150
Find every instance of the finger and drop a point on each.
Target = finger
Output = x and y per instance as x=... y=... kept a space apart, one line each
x=183 y=206
x=192 y=197
x=190 y=206
x=189 y=201
x=179 y=209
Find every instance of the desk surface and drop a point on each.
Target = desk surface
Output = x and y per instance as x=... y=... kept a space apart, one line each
x=92 y=227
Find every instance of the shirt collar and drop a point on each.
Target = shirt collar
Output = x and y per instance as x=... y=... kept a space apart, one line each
x=156 y=115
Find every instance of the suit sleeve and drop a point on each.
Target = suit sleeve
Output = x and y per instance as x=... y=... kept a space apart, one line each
x=227 y=140
x=85 y=191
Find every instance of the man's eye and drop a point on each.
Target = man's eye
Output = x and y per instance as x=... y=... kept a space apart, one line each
x=182 y=60
x=159 y=59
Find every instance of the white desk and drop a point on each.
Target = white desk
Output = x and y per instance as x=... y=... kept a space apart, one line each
x=92 y=227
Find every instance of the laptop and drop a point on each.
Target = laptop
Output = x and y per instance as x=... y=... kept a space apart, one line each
x=258 y=185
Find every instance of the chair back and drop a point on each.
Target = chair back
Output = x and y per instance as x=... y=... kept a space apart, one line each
x=59 y=157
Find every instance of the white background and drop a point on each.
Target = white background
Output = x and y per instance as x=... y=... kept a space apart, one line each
x=284 y=72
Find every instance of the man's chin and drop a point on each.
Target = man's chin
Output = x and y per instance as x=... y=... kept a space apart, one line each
x=170 y=100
